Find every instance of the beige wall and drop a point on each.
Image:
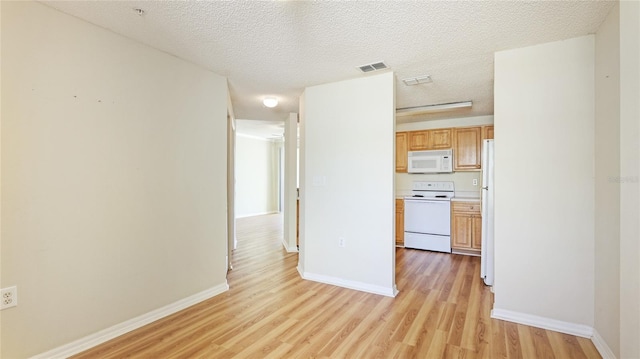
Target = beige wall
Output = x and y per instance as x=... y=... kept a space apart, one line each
x=629 y=170
x=113 y=178
x=544 y=198
x=348 y=188
x=607 y=182
x=256 y=176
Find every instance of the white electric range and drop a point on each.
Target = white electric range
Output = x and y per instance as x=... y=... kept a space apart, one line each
x=427 y=216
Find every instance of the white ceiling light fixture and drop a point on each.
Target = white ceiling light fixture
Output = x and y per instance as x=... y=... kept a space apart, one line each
x=408 y=111
x=270 y=102
x=410 y=81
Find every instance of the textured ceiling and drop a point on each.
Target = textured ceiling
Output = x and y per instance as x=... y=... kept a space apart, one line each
x=280 y=47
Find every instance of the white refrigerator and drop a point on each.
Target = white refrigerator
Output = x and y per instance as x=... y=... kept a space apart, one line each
x=486 y=259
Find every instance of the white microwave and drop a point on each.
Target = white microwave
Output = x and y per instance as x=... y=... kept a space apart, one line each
x=435 y=161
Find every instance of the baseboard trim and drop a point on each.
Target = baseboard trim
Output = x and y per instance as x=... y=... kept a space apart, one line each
x=107 y=334
x=363 y=287
x=579 y=330
x=256 y=214
x=293 y=249
x=602 y=346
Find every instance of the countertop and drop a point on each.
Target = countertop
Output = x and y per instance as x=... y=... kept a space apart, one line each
x=465 y=199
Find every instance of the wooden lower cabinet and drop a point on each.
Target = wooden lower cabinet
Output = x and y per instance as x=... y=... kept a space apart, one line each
x=466 y=228
x=476 y=235
x=399 y=222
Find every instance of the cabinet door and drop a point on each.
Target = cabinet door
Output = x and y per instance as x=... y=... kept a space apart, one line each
x=399 y=222
x=440 y=139
x=467 y=141
x=460 y=230
x=476 y=239
x=487 y=132
x=401 y=151
x=418 y=140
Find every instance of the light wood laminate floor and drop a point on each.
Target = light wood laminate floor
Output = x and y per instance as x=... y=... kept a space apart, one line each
x=442 y=311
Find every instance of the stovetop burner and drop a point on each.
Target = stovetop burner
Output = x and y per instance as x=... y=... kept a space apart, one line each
x=427 y=190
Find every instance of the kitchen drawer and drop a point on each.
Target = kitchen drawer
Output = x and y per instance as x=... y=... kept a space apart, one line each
x=465 y=206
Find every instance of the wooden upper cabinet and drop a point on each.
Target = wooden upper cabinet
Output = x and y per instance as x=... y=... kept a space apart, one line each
x=440 y=139
x=487 y=132
x=402 y=139
x=418 y=140
x=430 y=139
x=467 y=143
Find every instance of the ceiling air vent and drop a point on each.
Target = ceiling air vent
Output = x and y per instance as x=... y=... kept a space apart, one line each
x=373 y=67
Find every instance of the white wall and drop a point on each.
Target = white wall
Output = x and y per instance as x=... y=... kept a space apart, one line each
x=113 y=178
x=348 y=137
x=630 y=170
x=290 y=146
x=544 y=176
x=256 y=176
x=463 y=180
x=302 y=187
x=607 y=181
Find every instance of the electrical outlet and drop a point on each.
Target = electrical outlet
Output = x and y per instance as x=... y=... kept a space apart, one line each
x=9 y=297
x=475 y=181
x=342 y=242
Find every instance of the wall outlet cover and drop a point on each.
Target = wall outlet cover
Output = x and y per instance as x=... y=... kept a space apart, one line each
x=8 y=297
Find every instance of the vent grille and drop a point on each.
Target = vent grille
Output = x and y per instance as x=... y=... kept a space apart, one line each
x=417 y=80
x=373 y=67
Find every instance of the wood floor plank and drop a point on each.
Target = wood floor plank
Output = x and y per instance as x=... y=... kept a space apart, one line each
x=541 y=343
x=442 y=311
x=565 y=346
x=588 y=348
x=527 y=344
x=425 y=318
x=512 y=337
x=438 y=345
x=428 y=330
x=498 y=340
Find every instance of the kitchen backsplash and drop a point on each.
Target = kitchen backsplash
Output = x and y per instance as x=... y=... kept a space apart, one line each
x=463 y=181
